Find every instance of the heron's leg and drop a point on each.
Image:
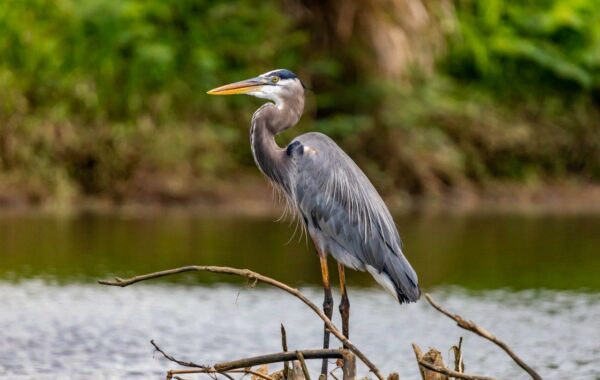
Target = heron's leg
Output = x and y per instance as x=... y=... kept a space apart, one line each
x=344 y=303
x=327 y=307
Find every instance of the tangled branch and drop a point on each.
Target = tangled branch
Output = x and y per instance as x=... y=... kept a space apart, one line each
x=471 y=326
x=256 y=277
x=438 y=366
x=243 y=365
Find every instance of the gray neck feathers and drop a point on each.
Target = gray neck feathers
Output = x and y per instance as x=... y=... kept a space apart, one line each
x=269 y=120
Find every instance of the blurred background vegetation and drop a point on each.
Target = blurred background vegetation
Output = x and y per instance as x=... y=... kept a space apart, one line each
x=103 y=98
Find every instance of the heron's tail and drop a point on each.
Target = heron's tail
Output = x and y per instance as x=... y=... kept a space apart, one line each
x=404 y=278
x=398 y=278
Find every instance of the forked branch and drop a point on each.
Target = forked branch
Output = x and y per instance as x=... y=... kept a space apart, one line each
x=452 y=373
x=244 y=365
x=471 y=326
x=255 y=277
x=180 y=362
x=439 y=367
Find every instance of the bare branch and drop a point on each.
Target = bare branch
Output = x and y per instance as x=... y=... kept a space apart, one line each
x=276 y=358
x=180 y=362
x=256 y=360
x=459 y=365
x=419 y=355
x=226 y=375
x=286 y=365
x=332 y=374
x=451 y=373
x=212 y=371
x=349 y=366
x=439 y=367
x=471 y=326
x=171 y=374
x=303 y=364
x=251 y=372
x=253 y=276
x=243 y=365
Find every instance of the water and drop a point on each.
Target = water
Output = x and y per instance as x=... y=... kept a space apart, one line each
x=532 y=280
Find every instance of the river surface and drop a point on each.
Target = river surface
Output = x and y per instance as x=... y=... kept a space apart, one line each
x=534 y=281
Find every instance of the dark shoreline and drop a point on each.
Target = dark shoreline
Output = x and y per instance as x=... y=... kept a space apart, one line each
x=255 y=198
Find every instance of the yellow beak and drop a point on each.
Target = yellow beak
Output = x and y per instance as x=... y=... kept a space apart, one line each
x=238 y=87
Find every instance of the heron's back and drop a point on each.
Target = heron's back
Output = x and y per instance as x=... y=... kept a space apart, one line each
x=346 y=216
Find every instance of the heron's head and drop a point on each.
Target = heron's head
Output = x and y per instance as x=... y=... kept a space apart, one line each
x=280 y=86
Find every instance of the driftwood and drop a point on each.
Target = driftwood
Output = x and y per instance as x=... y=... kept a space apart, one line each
x=300 y=357
x=433 y=357
x=256 y=277
x=471 y=326
x=284 y=347
x=459 y=365
x=244 y=365
x=258 y=360
x=431 y=365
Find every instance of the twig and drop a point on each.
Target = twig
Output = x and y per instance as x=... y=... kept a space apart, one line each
x=303 y=364
x=451 y=373
x=332 y=374
x=286 y=365
x=243 y=365
x=424 y=364
x=278 y=357
x=471 y=326
x=171 y=373
x=250 y=372
x=459 y=365
x=213 y=371
x=258 y=278
x=256 y=360
x=349 y=368
x=419 y=355
x=226 y=375
x=180 y=362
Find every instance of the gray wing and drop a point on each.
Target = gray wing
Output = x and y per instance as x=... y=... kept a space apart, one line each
x=346 y=216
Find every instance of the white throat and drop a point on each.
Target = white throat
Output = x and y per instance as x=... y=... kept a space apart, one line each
x=273 y=92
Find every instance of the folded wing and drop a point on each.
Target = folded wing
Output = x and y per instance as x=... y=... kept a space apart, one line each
x=346 y=216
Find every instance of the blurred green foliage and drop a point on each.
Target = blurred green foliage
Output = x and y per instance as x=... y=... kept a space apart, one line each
x=533 y=68
x=107 y=97
x=96 y=91
x=115 y=60
x=515 y=96
x=535 y=46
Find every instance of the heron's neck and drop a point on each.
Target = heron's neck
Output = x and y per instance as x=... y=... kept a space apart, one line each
x=268 y=121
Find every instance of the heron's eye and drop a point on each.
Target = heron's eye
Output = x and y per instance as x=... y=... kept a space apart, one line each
x=274 y=79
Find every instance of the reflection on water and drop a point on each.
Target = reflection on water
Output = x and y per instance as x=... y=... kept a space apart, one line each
x=477 y=252
x=533 y=281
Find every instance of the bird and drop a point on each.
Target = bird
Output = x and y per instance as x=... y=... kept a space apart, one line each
x=339 y=207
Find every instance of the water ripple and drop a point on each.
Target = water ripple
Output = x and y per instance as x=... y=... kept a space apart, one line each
x=80 y=331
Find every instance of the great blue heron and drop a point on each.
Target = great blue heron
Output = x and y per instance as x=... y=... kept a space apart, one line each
x=342 y=211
